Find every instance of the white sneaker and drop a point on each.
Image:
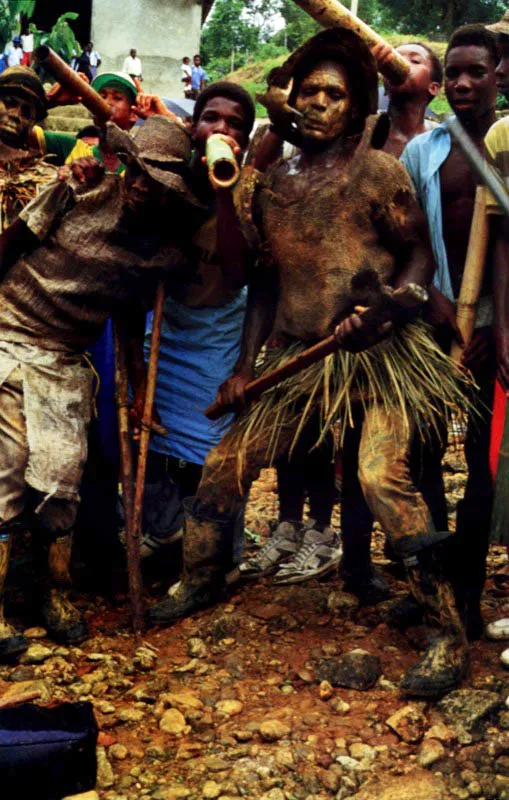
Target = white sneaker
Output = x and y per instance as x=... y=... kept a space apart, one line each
x=282 y=545
x=320 y=553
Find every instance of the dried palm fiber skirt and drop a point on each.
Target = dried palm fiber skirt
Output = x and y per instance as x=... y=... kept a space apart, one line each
x=406 y=374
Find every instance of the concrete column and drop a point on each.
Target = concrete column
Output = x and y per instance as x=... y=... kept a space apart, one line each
x=162 y=31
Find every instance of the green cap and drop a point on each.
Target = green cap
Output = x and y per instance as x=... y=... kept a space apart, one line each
x=116 y=80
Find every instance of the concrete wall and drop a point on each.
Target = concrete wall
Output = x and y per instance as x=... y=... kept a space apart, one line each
x=162 y=31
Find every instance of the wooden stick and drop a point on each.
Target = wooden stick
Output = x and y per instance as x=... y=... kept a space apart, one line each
x=146 y=423
x=473 y=273
x=126 y=475
x=332 y=14
x=408 y=297
x=71 y=81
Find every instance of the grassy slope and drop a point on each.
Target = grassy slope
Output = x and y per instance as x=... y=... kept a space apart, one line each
x=252 y=76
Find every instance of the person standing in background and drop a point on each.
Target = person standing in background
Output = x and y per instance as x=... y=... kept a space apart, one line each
x=132 y=65
x=94 y=58
x=198 y=77
x=186 y=76
x=27 y=46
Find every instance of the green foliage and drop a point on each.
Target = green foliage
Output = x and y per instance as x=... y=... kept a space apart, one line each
x=438 y=17
x=10 y=12
x=61 y=37
x=228 y=33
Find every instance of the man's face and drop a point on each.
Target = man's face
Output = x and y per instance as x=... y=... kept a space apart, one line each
x=121 y=107
x=502 y=70
x=419 y=81
x=220 y=115
x=324 y=101
x=17 y=117
x=133 y=53
x=142 y=194
x=470 y=82
x=197 y=61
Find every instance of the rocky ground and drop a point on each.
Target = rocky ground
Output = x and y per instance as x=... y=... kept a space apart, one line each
x=250 y=699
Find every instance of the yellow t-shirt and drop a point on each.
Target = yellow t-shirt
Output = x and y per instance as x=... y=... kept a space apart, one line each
x=497 y=154
x=80 y=150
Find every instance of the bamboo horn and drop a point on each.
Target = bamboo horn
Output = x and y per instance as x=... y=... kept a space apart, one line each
x=408 y=297
x=126 y=475
x=146 y=423
x=332 y=14
x=473 y=274
x=71 y=81
x=221 y=162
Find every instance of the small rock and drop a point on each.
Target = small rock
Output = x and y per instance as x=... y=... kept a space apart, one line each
x=106 y=708
x=431 y=750
x=409 y=723
x=342 y=602
x=274 y=794
x=339 y=705
x=284 y=757
x=131 y=715
x=35 y=633
x=355 y=670
x=229 y=707
x=325 y=690
x=36 y=654
x=85 y=796
x=359 y=750
x=119 y=752
x=441 y=732
x=145 y=658
x=416 y=785
x=25 y=691
x=197 y=648
x=105 y=776
x=184 y=700
x=272 y=729
x=347 y=762
x=466 y=711
x=211 y=789
x=173 y=721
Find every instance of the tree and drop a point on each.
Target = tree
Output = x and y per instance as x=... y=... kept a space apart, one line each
x=10 y=13
x=229 y=33
x=439 y=16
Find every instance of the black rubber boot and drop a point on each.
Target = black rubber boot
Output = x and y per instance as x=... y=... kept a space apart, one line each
x=365 y=582
x=61 y=619
x=207 y=554
x=445 y=663
x=12 y=643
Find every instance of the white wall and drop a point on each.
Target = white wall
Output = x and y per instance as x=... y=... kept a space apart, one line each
x=162 y=31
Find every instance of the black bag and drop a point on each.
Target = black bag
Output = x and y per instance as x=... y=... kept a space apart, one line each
x=47 y=753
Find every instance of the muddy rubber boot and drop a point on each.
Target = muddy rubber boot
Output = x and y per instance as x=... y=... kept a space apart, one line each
x=12 y=643
x=61 y=619
x=445 y=663
x=207 y=554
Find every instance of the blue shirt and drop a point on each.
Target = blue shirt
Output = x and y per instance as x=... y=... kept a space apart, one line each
x=423 y=156
x=199 y=347
x=198 y=75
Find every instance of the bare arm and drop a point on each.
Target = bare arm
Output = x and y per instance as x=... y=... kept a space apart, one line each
x=500 y=232
x=258 y=324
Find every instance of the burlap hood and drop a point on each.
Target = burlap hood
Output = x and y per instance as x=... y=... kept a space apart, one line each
x=339 y=45
x=23 y=81
x=162 y=149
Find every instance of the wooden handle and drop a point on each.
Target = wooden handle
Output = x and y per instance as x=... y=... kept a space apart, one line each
x=71 y=81
x=222 y=164
x=331 y=14
x=473 y=274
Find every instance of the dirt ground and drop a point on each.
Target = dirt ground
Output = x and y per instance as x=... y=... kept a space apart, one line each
x=232 y=702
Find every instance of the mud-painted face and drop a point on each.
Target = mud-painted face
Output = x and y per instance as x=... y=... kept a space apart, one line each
x=17 y=117
x=324 y=101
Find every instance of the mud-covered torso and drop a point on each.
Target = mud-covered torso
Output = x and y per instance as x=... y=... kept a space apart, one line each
x=322 y=227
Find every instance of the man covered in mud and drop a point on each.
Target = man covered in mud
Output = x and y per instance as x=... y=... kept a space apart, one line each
x=338 y=225
x=72 y=258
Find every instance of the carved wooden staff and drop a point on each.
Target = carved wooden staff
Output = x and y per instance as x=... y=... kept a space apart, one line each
x=126 y=475
x=146 y=422
x=473 y=274
x=331 y=14
x=409 y=297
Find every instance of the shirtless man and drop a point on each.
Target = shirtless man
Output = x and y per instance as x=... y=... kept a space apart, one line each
x=316 y=245
x=445 y=186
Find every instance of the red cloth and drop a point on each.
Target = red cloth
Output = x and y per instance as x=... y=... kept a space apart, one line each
x=497 y=427
x=26 y=59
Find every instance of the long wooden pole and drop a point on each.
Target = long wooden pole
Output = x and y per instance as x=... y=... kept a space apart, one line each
x=404 y=299
x=146 y=423
x=473 y=273
x=126 y=475
x=332 y=14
